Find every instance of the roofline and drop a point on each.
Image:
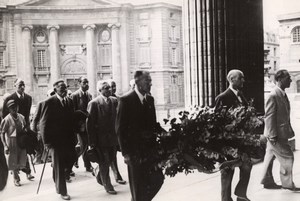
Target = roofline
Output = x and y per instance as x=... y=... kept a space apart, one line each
x=288 y=17
x=157 y=5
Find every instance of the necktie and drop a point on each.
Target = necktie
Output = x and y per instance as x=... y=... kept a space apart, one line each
x=64 y=103
x=22 y=97
x=239 y=96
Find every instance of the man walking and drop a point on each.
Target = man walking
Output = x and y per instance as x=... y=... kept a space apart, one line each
x=135 y=124
x=233 y=97
x=101 y=132
x=81 y=98
x=278 y=130
x=24 y=102
x=56 y=127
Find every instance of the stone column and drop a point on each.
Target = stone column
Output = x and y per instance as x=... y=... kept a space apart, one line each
x=27 y=58
x=91 y=67
x=221 y=35
x=54 y=53
x=116 y=56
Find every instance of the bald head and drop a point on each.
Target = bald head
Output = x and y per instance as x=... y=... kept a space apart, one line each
x=236 y=79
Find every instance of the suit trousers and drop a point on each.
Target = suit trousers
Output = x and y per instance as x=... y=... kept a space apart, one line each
x=284 y=154
x=63 y=159
x=86 y=161
x=144 y=182
x=268 y=176
x=106 y=157
x=241 y=187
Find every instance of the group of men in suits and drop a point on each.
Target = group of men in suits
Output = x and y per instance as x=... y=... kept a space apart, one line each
x=277 y=131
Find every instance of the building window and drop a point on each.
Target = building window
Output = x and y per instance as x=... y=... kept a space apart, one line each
x=144 y=55
x=41 y=58
x=298 y=86
x=1 y=60
x=296 y=35
x=174 y=56
x=174 y=90
x=144 y=33
x=105 y=56
x=275 y=65
x=1 y=28
x=275 y=51
x=173 y=33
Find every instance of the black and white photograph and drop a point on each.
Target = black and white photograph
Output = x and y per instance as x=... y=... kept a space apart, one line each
x=141 y=100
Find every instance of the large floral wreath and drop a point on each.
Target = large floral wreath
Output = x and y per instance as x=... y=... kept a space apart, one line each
x=207 y=141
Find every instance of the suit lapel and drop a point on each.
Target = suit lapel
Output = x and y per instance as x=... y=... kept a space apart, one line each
x=282 y=99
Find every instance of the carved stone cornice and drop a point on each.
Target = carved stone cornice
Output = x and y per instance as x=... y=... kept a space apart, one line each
x=52 y=27
x=114 y=26
x=89 y=26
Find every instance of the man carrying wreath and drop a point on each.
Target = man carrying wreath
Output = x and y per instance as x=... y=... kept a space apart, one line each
x=233 y=97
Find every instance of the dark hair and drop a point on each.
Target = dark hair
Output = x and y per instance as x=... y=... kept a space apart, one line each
x=139 y=73
x=81 y=78
x=280 y=74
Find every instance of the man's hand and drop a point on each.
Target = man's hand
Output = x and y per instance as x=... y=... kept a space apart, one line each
x=48 y=146
x=126 y=159
x=273 y=140
x=6 y=150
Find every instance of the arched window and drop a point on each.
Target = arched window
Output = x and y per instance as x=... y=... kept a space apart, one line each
x=296 y=35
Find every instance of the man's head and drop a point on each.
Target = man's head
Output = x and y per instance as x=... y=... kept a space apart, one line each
x=20 y=86
x=132 y=84
x=236 y=79
x=84 y=83
x=283 y=79
x=113 y=86
x=60 y=88
x=143 y=81
x=103 y=87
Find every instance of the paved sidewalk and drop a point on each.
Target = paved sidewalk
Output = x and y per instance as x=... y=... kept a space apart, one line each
x=193 y=187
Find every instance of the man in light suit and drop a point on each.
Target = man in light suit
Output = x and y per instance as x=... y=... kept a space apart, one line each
x=101 y=132
x=24 y=101
x=135 y=124
x=81 y=98
x=233 y=97
x=57 y=131
x=278 y=130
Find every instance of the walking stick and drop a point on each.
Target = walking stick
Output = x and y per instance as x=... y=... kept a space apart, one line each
x=37 y=192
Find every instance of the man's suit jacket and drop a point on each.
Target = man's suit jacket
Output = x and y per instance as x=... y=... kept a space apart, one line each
x=277 y=116
x=56 y=123
x=79 y=101
x=101 y=122
x=134 y=126
x=24 y=105
x=36 y=116
x=228 y=99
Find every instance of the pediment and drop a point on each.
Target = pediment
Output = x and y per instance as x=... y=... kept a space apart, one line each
x=69 y=3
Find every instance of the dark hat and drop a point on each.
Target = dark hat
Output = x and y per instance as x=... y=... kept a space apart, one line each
x=57 y=82
x=10 y=103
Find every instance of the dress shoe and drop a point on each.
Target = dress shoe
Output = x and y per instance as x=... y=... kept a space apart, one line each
x=292 y=189
x=121 y=181
x=30 y=177
x=17 y=183
x=272 y=186
x=65 y=197
x=89 y=169
x=112 y=192
x=242 y=199
x=68 y=179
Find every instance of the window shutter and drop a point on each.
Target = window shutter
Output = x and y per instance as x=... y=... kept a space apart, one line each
x=35 y=58
x=178 y=56
x=170 y=55
x=177 y=32
x=5 y=59
x=47 y=59
x=149 y=32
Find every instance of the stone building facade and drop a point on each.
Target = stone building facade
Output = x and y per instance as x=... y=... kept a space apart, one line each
x=44 y=40
x=289 y=40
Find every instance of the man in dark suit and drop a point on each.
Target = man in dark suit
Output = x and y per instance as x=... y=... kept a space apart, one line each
x=278 y=131
x=135 y=124
x=56 y=127
x=101 y=132
x=81 y=98
x=233 y=97
x=24 y=101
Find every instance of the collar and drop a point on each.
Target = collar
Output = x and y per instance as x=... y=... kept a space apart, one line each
x=141 y=97
x=82 y=91
x=59 y=98
x=281 y=91
x=233 y=90
x=19 y=95
x=105 y=98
